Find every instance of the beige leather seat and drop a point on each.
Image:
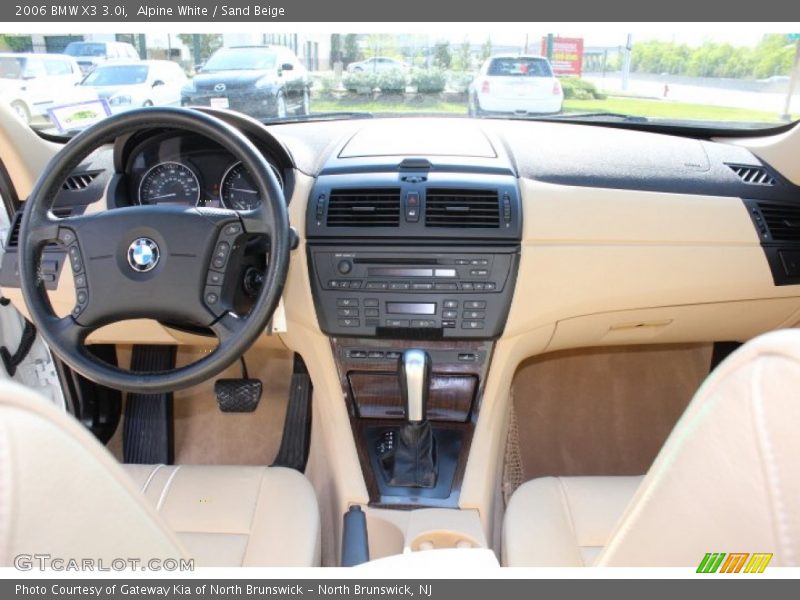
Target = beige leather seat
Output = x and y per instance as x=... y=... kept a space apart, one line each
x=726 y=480
x=63 y=494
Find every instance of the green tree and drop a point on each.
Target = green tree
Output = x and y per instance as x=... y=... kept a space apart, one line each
x=201 y=45
x=16 y=43
x=336 y=47
x=486 y=49
x=351 y=51
x=441 y=55
x=462 y=59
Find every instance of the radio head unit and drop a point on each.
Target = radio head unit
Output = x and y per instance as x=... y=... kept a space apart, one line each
x=429 y=293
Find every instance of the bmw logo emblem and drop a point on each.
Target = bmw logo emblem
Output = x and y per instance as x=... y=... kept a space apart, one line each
x=143 y=255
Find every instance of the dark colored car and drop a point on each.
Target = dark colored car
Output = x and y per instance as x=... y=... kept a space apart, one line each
x=262 y=81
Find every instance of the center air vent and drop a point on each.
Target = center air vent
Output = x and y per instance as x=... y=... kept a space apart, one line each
x=753 y=175
x=375 y=207
x=461 y=208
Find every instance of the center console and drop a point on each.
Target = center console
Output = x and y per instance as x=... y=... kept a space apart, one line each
x=413 y=263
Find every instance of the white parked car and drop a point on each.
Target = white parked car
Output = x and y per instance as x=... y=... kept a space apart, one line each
x=32 y=83
x=378 y=64
x=514 y=84
x=127 y=85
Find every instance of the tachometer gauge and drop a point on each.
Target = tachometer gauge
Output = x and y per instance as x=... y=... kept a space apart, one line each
x=237 y=190
x=169 y=183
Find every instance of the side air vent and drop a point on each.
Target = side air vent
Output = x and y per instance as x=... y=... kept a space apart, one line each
x=12 y=241
x=782 y=220
x=375 y=207
x=75 y=183
x=753 y=175
x=462 y=208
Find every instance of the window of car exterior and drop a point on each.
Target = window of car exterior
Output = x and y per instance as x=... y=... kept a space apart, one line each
x=519 y=67
x=57 y=67
x=117 y=75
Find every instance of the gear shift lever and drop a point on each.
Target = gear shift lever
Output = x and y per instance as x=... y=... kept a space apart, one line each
x=415 y=375
x=415 y=454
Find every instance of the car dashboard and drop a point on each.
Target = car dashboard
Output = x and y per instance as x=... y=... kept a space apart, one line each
x=484 y=242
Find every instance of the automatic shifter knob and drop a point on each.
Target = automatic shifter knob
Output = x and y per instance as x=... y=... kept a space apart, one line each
x=415 y=376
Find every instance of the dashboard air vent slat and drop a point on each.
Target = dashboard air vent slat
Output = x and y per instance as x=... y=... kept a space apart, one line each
x=78 y=182
x=783 y=221
x=374 y=207
x=12 y=241
x=753 y=175
x=462 y=208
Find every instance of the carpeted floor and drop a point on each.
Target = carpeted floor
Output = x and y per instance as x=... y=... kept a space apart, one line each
x=603 y=411
x=204 y=435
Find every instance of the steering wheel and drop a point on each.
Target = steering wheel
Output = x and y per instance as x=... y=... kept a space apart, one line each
x=169 y=263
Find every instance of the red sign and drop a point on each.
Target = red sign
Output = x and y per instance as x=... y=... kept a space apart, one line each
x=567 y=56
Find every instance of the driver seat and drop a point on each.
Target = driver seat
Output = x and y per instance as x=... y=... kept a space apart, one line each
x=63 y=494
x=727 y=480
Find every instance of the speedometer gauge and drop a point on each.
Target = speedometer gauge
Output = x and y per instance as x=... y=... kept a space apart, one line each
x=169 y=183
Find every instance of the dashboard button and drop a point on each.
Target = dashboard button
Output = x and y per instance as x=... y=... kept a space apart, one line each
x=375 y=354
x=371 y=312
x=348 y=302
x=358 y=354
x=349 y=322
x=451 y=303
x=423 y=323
x=399 y=285
x=397 y=322
x=450 y=314
x=445 y=286
x=377 y=285
x=347 y=312
x=480 y=304
x=471 y=324
x=370 y=302
x=421 y=286
x=474 y=314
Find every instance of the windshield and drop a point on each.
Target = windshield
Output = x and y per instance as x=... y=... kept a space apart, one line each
x=717 y=80
x=81 y=49
x=117 y=75
x=240 y=59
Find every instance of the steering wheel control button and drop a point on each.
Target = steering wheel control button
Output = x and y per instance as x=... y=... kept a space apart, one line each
x=66 y=236
x=75 y=258
x=82 y=296
x=214 y=278
x=143 y=255
x=232 y=230
x=221 y=255
x=212 y=293
x=80 y=281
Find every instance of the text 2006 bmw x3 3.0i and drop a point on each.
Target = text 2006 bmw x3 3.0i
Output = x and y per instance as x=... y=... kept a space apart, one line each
x=353 y=323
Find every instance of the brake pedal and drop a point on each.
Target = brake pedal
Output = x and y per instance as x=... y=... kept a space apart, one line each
x=237 y=395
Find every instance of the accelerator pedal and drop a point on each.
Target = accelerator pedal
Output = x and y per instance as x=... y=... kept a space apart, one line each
x=296 y=440
x=147 y=435
x=238 y=395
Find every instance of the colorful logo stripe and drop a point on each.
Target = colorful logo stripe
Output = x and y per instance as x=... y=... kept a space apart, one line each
x=734 y=562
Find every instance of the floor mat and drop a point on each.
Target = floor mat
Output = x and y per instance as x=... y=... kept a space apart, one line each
x=604 y=411
x=205 y=435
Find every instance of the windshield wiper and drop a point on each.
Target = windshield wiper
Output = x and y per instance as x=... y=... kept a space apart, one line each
x=322 y=116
